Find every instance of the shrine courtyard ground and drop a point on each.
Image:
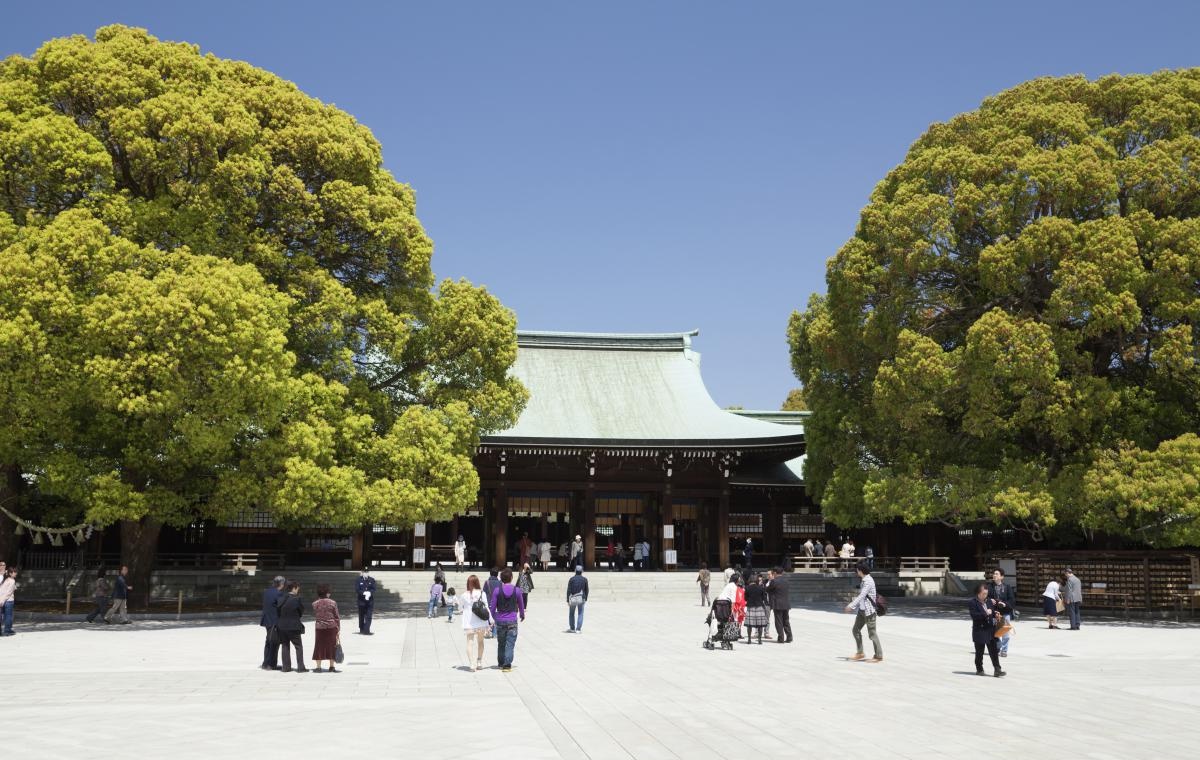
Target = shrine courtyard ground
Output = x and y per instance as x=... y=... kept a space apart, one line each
x=636 y=684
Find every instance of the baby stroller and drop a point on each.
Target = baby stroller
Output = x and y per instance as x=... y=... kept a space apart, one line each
x=727 y=630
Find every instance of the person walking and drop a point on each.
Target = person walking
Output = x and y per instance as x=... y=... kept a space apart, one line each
x=984 y=617
x=1051 y=598
x=364 y=591
x=101 y=588
x=577 y=596
x=475 y=626
x=460 y=553
x=291 y=630
x=452 y=603
x=507 y=605
x=8 y=600
x=544 y=555
x=864 y=607
x=272 y=596
x=1001 y=596
x=703 y=578
x=637 y=555
x=756 y=609
x=646 y=564
x=489 y=586
x=808 y=547
x=120 y=598
x=329 y=627
x=525 y=581
x=436 y=594
x=781 y=605
x=524 y=546
x=576 y=552
x=1073 y=598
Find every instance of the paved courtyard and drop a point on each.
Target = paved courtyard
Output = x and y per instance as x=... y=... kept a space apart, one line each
x=636 y=684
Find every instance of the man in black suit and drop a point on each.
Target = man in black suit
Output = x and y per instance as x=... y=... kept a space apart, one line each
x=364 y=590
x=270 y=616
x=781 y=605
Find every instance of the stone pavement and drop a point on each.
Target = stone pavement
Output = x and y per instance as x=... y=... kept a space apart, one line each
x=637 y=684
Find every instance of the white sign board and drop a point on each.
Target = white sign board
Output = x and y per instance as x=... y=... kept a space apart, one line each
x=418 y=556
x=671 y=557
x=419 y=530
x=669 y=531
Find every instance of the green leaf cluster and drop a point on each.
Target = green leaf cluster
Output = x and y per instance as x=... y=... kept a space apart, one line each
x=1009 y=336
x=214 y=297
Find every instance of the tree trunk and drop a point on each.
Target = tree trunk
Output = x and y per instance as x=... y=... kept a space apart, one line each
x=139 y=548
x=11 y=484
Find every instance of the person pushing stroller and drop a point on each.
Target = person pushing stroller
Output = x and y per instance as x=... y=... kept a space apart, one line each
x=728 y=629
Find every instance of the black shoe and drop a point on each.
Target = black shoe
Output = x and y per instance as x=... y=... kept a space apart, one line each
x=1000 y=674
x=318 y=670
x=333 y=670
x=286 y=670
x=980 y=673
x=301 y=670
x=367 y=633
x=277 y=667
x=266 y=667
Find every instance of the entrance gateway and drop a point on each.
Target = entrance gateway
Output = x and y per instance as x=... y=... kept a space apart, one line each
x=621 y=442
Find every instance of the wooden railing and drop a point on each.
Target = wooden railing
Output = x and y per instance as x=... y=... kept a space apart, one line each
x=178 y=560
x=889 y=564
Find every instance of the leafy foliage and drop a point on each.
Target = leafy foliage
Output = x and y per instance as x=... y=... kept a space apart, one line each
x=1009 y=336
x=213 y=297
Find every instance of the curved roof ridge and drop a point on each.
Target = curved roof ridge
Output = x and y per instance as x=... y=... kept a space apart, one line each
x=675 y=341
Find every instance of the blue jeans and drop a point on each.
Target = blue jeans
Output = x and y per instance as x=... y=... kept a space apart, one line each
x=450 y=609
x=506 y=642
x=8 y=616
x=571 y=616
x=432 y=606
x=1004 y=639
x=1073 y=612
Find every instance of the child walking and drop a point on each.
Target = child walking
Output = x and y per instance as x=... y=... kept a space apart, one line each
x=436 y=594
x=451 y=604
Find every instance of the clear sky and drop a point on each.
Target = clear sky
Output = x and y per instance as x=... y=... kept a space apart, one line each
x=645 y=165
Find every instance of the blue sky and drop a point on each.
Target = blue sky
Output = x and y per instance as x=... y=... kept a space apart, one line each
x=650 y=166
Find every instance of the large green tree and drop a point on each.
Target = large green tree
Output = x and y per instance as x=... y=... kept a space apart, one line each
x=213 y=297
x=1010 y=335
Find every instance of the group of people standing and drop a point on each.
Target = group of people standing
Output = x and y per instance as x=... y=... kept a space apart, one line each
x=282 y=617
x=754 y=598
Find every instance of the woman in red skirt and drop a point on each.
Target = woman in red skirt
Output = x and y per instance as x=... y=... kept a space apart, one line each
x=328 y=625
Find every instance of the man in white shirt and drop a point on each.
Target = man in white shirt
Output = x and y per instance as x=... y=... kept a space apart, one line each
x=864 y=605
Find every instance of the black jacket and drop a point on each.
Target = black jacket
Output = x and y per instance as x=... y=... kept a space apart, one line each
x=291 y=609
x=1004 y=597
x=270 y=607
x=577 y=585
x=983 y=624
x=778 y=589
x=756 y=595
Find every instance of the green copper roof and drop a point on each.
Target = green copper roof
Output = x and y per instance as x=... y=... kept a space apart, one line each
x=646 y=388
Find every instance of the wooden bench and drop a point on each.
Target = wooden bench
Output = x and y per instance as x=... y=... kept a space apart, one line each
x=240 y=561
x=381 y=553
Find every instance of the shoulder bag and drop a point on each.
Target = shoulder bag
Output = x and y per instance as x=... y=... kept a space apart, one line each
x=480 y=609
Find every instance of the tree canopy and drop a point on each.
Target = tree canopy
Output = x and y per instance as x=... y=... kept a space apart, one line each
x=1010 y=335
x=214 y=297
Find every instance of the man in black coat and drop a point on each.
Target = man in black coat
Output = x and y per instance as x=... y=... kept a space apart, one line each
x=781 y=605
x=270 y=617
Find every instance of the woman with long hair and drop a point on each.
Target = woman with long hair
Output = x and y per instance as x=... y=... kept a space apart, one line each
x=525 y=582
x=474 y=626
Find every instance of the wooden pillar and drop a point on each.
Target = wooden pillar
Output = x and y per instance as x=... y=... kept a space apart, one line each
x=500 y=526
x=588 y=531
x=723 y=528
x=357 y=544
x=668 y=521
x=773 y=532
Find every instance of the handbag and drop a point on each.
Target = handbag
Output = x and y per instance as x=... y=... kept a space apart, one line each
x=1058 y=605
x=338 y=655
x=480 y=610
x=576 y=600
x=1002 y=630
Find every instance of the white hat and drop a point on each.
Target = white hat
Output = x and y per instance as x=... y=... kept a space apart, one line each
x=579 y=538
